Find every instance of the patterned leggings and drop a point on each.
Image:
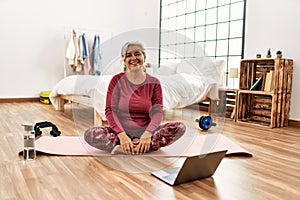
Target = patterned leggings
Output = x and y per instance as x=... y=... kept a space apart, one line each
x=104 y=138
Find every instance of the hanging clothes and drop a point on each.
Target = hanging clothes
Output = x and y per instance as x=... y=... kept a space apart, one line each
x=80 y=57
x=76 y=52
x=96 y=56
x=80 y=54
x=71 y=50
x=84 y=47
x=86 y=65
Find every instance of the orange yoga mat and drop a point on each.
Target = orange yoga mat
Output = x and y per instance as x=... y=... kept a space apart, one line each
x=185 y=146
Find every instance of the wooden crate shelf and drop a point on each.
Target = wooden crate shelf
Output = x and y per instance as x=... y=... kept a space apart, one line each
x=268 y=107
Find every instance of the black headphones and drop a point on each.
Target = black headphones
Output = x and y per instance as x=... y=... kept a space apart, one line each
x=54 y=132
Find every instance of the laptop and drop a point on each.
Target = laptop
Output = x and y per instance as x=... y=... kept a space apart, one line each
x=193 y=168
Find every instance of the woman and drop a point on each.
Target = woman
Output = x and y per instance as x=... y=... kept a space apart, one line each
x=134 y=110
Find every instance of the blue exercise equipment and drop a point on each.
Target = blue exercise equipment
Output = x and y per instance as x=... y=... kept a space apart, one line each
x=205 y=122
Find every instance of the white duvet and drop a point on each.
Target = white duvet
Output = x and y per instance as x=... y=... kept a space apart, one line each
x=179 y=90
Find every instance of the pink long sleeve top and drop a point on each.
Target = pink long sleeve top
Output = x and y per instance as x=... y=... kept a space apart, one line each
x=134 y=108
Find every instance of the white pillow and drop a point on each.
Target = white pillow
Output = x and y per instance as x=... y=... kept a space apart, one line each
x=173 y=66
x=219 y=65
x=167 y=69
x=200 y=66
x=188 y=66
x=211 y=70
x=164 y=71
x=151 y=70
x=220 y=70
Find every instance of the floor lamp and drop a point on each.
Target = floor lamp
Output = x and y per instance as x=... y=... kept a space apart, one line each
x=233 y=73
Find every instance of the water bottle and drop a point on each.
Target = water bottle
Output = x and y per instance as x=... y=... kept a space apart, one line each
x=29 y=140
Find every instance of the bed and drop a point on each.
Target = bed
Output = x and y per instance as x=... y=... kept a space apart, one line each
x=183 y=84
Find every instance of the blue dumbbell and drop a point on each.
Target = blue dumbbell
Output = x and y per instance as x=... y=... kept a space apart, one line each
x=205 y=122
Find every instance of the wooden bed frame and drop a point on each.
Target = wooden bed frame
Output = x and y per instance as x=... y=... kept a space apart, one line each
x=83 y=100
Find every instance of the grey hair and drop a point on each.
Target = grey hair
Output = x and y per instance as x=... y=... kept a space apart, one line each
x=132 y=43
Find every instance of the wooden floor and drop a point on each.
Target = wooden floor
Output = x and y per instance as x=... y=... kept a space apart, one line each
x=272 y=173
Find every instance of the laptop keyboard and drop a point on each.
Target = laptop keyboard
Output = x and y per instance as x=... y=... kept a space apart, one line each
x=172 y=170
x=170 y=178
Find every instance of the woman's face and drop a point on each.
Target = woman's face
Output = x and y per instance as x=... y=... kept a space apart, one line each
x=134 y=58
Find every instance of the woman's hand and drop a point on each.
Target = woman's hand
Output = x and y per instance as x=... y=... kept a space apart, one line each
x=144 y=143
x=125 y=143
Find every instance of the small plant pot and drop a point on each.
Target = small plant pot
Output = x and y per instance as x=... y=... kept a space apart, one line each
x=258 y=55
x=269 y=56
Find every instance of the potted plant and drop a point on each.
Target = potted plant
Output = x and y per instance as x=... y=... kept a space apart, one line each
x=269 y=53
x=279 y=54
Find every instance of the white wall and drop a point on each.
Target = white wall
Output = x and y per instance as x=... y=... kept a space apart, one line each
x=32 y=35
x=273 y=24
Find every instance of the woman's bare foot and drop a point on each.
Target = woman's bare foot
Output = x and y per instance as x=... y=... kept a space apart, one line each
x=117 y=150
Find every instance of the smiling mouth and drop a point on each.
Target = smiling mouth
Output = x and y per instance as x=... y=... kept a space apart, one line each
x=134 y=63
